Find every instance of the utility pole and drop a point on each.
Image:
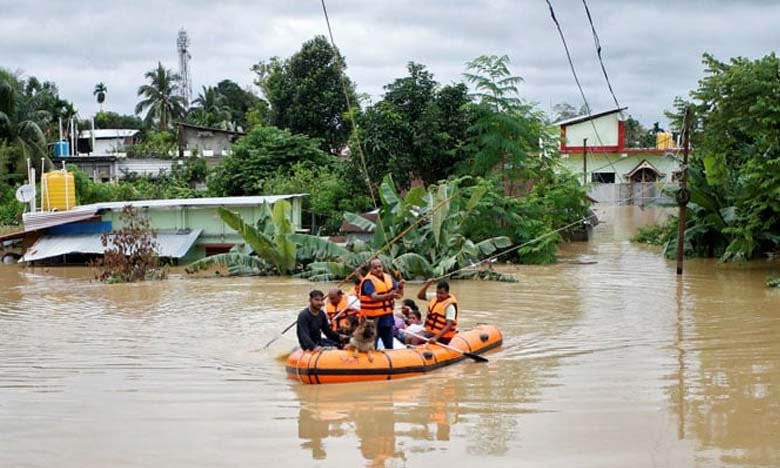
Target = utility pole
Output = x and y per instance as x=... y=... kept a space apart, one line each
x=584 y=162
x=682 y=195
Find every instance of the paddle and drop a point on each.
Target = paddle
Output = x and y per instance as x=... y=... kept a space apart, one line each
x=473 y=356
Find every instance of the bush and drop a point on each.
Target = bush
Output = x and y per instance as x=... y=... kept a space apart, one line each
x=129 y=252
x=330 y=193
x=10 y=209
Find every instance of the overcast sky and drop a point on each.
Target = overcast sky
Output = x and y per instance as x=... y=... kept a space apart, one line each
x=652 y=49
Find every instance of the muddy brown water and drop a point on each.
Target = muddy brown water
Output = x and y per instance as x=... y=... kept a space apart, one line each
x=613 y=363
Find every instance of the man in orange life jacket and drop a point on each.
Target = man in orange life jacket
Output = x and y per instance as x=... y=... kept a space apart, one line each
x=346 y=308
x=378 y=292
x=441 y=323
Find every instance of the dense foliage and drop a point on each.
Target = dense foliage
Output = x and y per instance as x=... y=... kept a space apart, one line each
x=734 y=181
x=259 y=156
x=306 y=93
x=418 y=131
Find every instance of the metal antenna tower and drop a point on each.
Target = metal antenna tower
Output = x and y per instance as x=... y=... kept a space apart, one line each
x=183 y=45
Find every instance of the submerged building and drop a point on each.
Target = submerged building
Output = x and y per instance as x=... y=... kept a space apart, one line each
x=595 y=147
x=186 y=229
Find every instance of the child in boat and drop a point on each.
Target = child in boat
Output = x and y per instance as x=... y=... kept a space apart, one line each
x=415 y=322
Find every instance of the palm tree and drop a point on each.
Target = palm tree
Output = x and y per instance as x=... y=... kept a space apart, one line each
x=162 y=103
x=210 y=108
x=19 y=138
x=100 y=91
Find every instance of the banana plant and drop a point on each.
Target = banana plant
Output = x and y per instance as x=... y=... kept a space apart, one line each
x=434 y=248
x=275 y=251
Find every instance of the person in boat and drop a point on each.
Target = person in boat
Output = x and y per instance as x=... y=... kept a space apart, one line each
x=378 y=292
x=312 y=323
x=402 y=319
x=441 y=321
x=415 y=326
x=342 y=311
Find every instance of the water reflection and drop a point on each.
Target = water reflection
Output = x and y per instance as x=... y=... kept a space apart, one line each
x=387 y=419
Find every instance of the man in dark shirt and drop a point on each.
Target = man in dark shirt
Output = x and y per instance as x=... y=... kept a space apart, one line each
x=312 y=322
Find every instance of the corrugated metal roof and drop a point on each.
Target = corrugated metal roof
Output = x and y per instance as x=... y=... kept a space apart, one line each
x=47 y=219
x=172 y=244
x=191 y=202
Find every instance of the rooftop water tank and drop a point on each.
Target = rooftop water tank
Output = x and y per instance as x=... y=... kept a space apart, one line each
x=58 y=191
x=664 y=140
x=61 y=149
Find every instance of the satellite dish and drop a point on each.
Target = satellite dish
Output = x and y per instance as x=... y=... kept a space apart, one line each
x=25 y=193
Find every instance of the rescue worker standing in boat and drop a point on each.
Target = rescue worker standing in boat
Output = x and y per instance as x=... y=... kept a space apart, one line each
x=441 y=322
x=378 y=292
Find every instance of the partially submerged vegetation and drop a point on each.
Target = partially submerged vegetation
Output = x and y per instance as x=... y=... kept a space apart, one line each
x=734 y=171
x=129 y=251
x=484 y=167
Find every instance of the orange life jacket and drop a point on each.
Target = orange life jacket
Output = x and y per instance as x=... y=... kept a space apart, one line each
x=371 y=308
x=437 y=317
x=333 y=310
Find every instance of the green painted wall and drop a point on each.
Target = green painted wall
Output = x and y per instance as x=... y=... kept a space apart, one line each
x=205 y=218
x=619 y=165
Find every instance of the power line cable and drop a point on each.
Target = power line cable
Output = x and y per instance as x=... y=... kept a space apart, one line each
x=345 y=87
x=598 y=53
x=577 y=81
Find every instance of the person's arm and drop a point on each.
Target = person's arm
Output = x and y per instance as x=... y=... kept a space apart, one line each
x=304 y=332
x=329 y=332
x=422 y=294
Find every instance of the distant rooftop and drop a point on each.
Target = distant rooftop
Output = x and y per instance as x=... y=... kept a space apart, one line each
x=585 y=118
x=190 y=202
x=109 y=133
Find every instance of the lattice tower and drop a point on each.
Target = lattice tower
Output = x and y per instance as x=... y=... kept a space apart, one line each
x=183 y=45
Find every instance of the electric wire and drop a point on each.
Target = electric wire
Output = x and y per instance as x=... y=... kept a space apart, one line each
x=351 y=113
x=598 y=53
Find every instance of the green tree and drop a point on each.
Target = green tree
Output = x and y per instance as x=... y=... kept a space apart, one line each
x=508 y=134
x=20 y=138
x=160 y=100
x=100 y=92
x=637 y=136
x=735 y=169
x=210 y=109
x=239 y=101
x=114 y=120
x=418 y=129
x=306 y=93
x=261 y=154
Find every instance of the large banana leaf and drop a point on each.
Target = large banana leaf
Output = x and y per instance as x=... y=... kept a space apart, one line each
x=259 y=242
x=360 y=222
x=388 y=194
x=237 y=264
x=285 y=247
x=488 y=246
x=413 y=265
x=320 y=247
x=440 y=204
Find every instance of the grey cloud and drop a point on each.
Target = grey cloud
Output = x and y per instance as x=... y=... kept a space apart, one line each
x=652 y=50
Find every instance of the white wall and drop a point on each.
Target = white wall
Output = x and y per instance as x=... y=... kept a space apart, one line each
x=606 y=126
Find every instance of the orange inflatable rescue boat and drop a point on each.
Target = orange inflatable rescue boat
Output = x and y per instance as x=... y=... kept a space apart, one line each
x=336 y=366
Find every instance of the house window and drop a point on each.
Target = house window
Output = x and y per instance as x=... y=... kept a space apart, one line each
x=603 y=177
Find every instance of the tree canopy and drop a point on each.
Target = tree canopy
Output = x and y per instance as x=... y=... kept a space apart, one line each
x=306 y=94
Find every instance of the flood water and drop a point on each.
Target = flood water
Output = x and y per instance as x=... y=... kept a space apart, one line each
x=613 y=363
